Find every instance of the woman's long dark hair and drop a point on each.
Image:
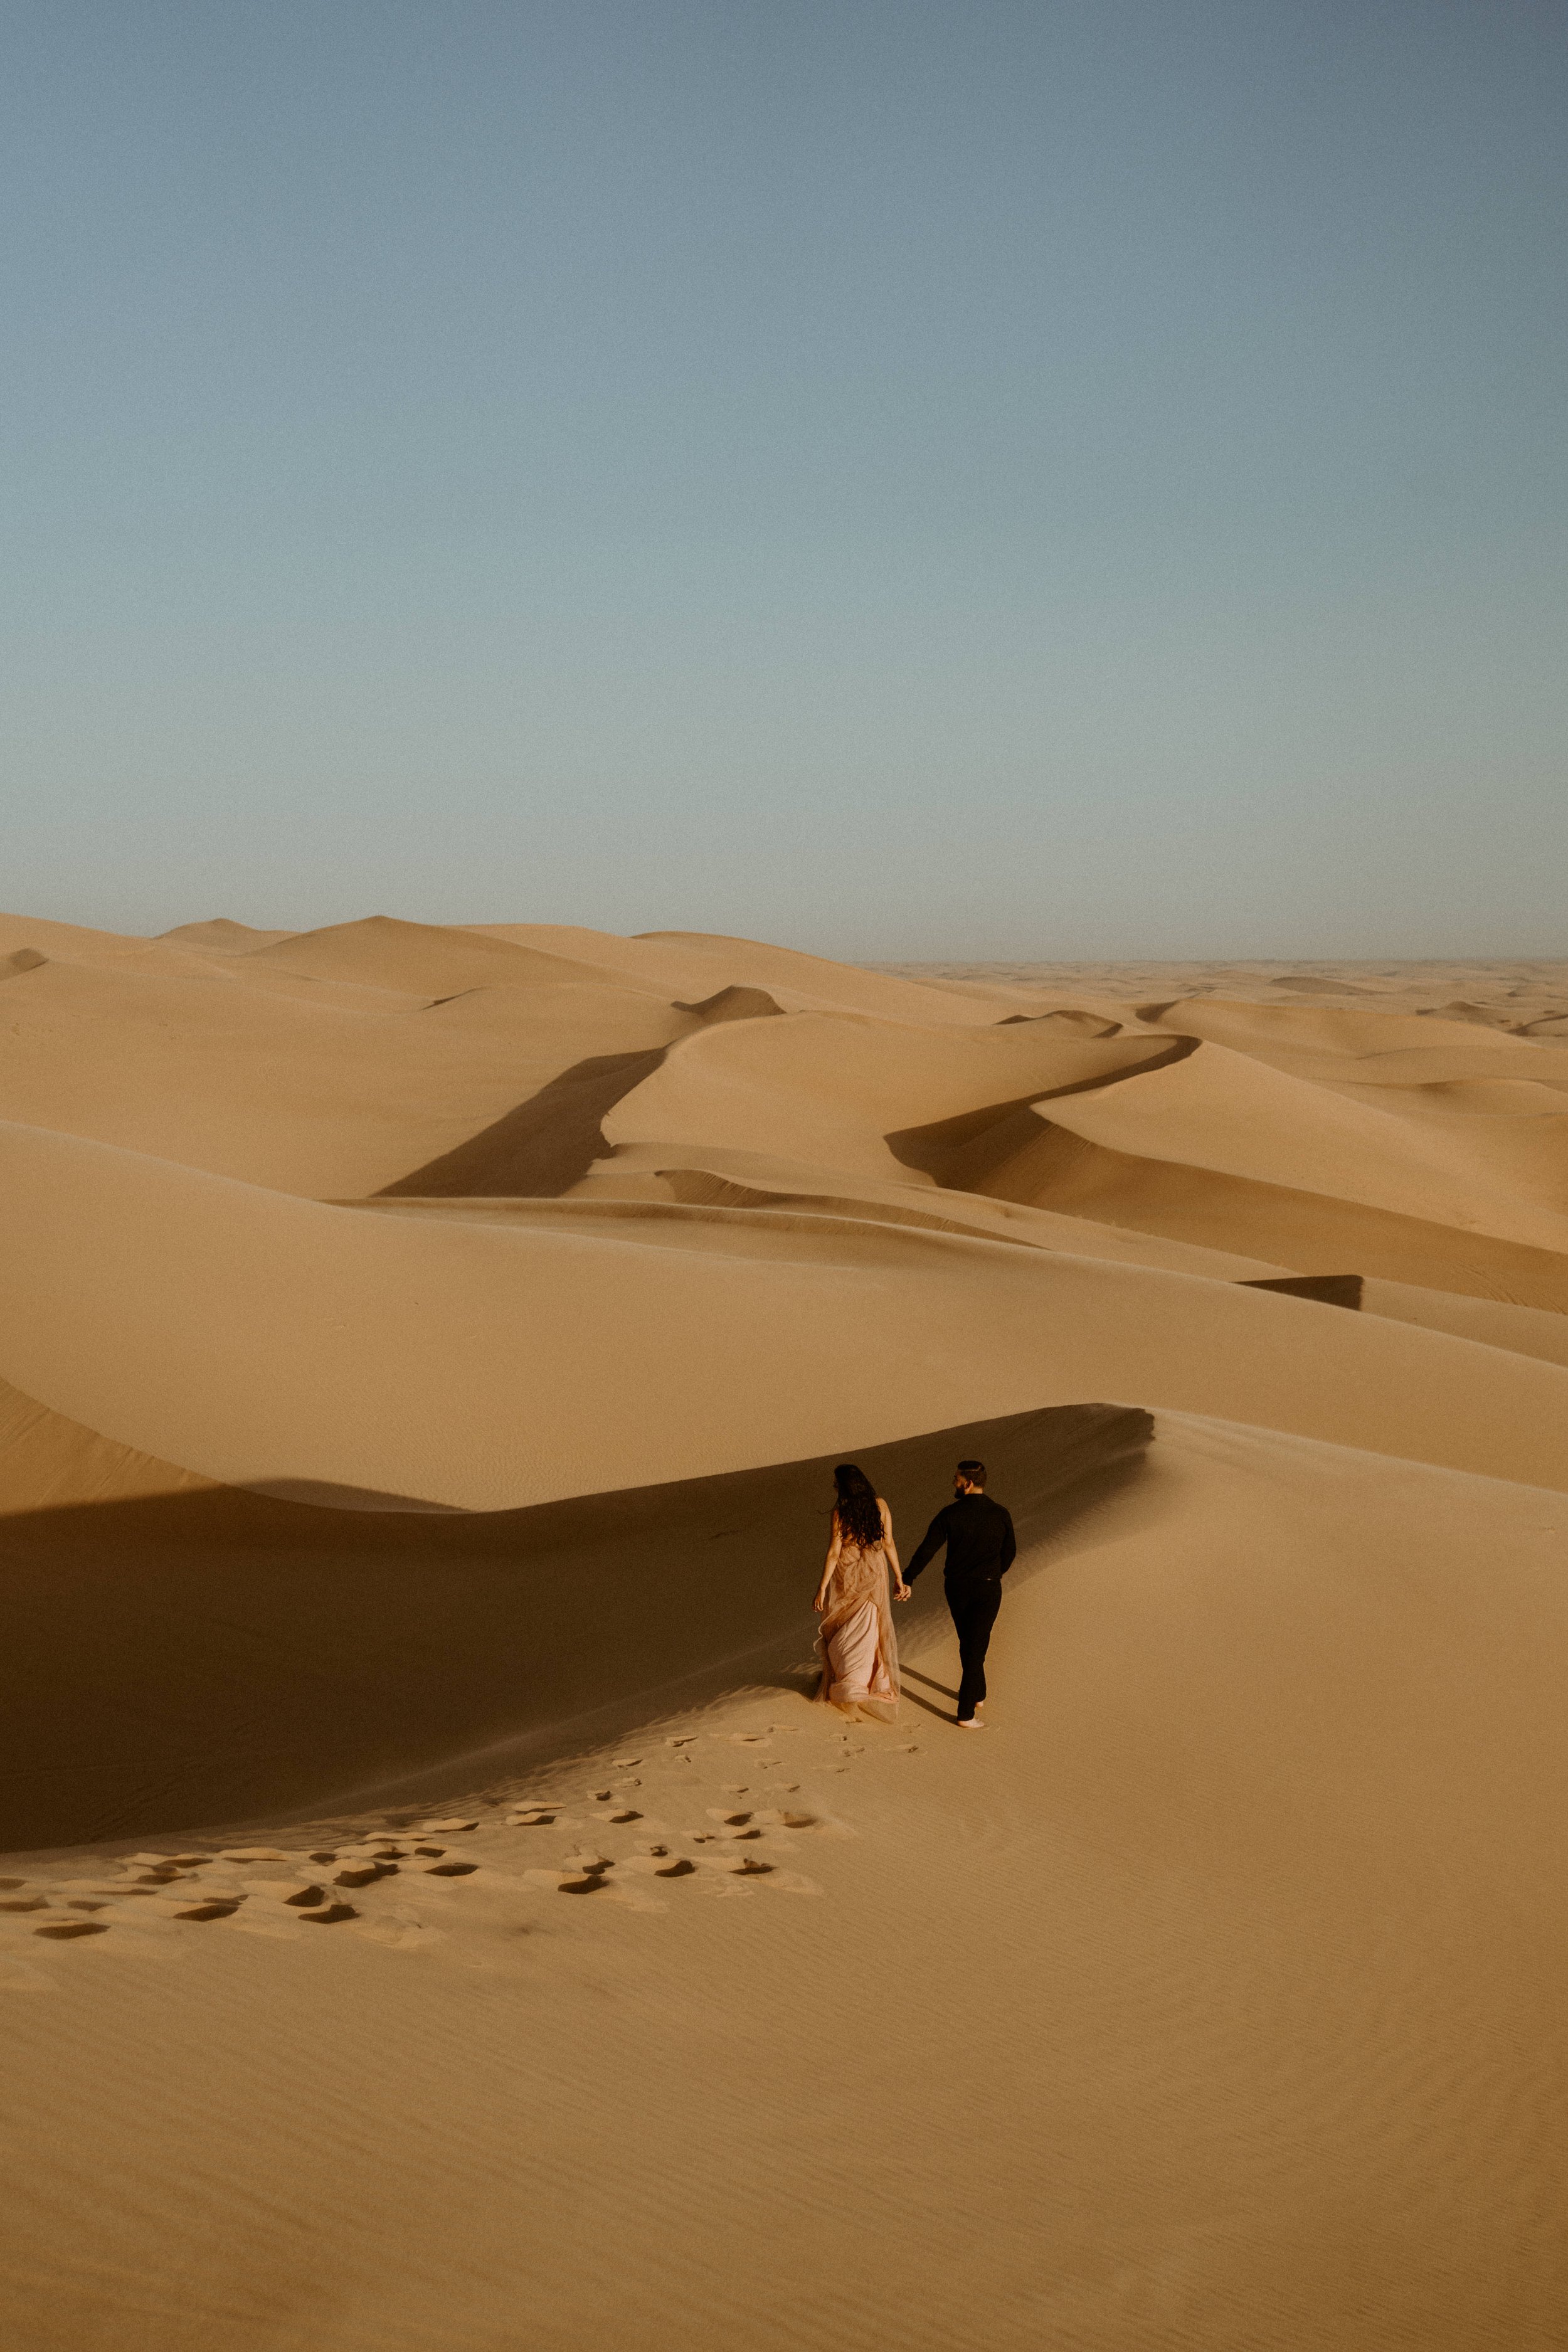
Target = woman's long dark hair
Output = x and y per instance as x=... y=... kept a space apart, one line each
x=858 y=1518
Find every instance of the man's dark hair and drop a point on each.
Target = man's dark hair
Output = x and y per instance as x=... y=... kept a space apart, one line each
x=973 y=1471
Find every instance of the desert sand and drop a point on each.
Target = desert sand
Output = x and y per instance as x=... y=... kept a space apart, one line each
x=423 y=1353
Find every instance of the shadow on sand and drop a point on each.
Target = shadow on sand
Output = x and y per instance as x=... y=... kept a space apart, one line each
x=209 y=1657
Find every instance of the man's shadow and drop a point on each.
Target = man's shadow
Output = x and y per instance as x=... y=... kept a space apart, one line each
x=908 y=1674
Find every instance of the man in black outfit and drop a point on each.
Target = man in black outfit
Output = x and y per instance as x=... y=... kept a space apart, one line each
x=980 y=1549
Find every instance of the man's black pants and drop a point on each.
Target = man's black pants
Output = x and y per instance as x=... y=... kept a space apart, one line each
x=974 y=1604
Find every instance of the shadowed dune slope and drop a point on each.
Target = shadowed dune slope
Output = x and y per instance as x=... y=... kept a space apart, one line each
x=361 y=1647
x=542 y=1146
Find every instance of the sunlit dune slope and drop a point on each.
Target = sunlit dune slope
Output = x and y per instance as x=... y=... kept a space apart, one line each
x=1526 y=1330
x=694 y=963
x=1220 y=1111
x=223 y=937
x=1041 y=1161
x=329 y=1090
x=1397 y=1046
x=251 y=1337
x=78 y=943
x=854 y=1092
x=425 y=958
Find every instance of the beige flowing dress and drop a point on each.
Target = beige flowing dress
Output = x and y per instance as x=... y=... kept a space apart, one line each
x=859 y=1655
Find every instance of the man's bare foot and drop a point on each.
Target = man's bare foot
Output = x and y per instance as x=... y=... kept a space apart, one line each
x=969 y=1723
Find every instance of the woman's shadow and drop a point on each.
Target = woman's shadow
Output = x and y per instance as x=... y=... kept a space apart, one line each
x=803 y=1684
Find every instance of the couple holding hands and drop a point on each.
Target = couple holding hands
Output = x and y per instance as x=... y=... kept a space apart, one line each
x=856 y=1644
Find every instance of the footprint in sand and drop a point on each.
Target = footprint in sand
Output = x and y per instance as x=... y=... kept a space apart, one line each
x=404 y=1931
x=274 y=1892
x=296 y=1892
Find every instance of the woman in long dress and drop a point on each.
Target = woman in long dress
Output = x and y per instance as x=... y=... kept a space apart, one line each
x=859 y=1655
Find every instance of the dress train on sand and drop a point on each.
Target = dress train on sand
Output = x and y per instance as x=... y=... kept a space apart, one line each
x=855 y=1644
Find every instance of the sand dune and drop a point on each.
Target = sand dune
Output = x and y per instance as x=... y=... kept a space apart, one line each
x=691 y=963
x=329 y=1092
x=223 y=937
x=250 y=1338
x=846 y=1093
x=423 y=1354
x=386 y=953
x=1221 y=1110
x=1514 y=996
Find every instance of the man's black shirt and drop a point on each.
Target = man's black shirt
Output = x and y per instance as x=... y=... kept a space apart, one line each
x=979 y=1536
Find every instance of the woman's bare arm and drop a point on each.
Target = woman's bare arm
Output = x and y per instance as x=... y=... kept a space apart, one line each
x=828 y=1565
x=892 y=1549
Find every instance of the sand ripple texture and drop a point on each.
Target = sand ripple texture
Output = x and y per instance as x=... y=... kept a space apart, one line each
x=433 y=1912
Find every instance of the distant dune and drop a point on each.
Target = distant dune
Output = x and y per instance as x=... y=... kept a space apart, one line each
x=423 y=1355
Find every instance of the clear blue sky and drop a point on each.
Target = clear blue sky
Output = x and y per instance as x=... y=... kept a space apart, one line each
x=905 y=479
